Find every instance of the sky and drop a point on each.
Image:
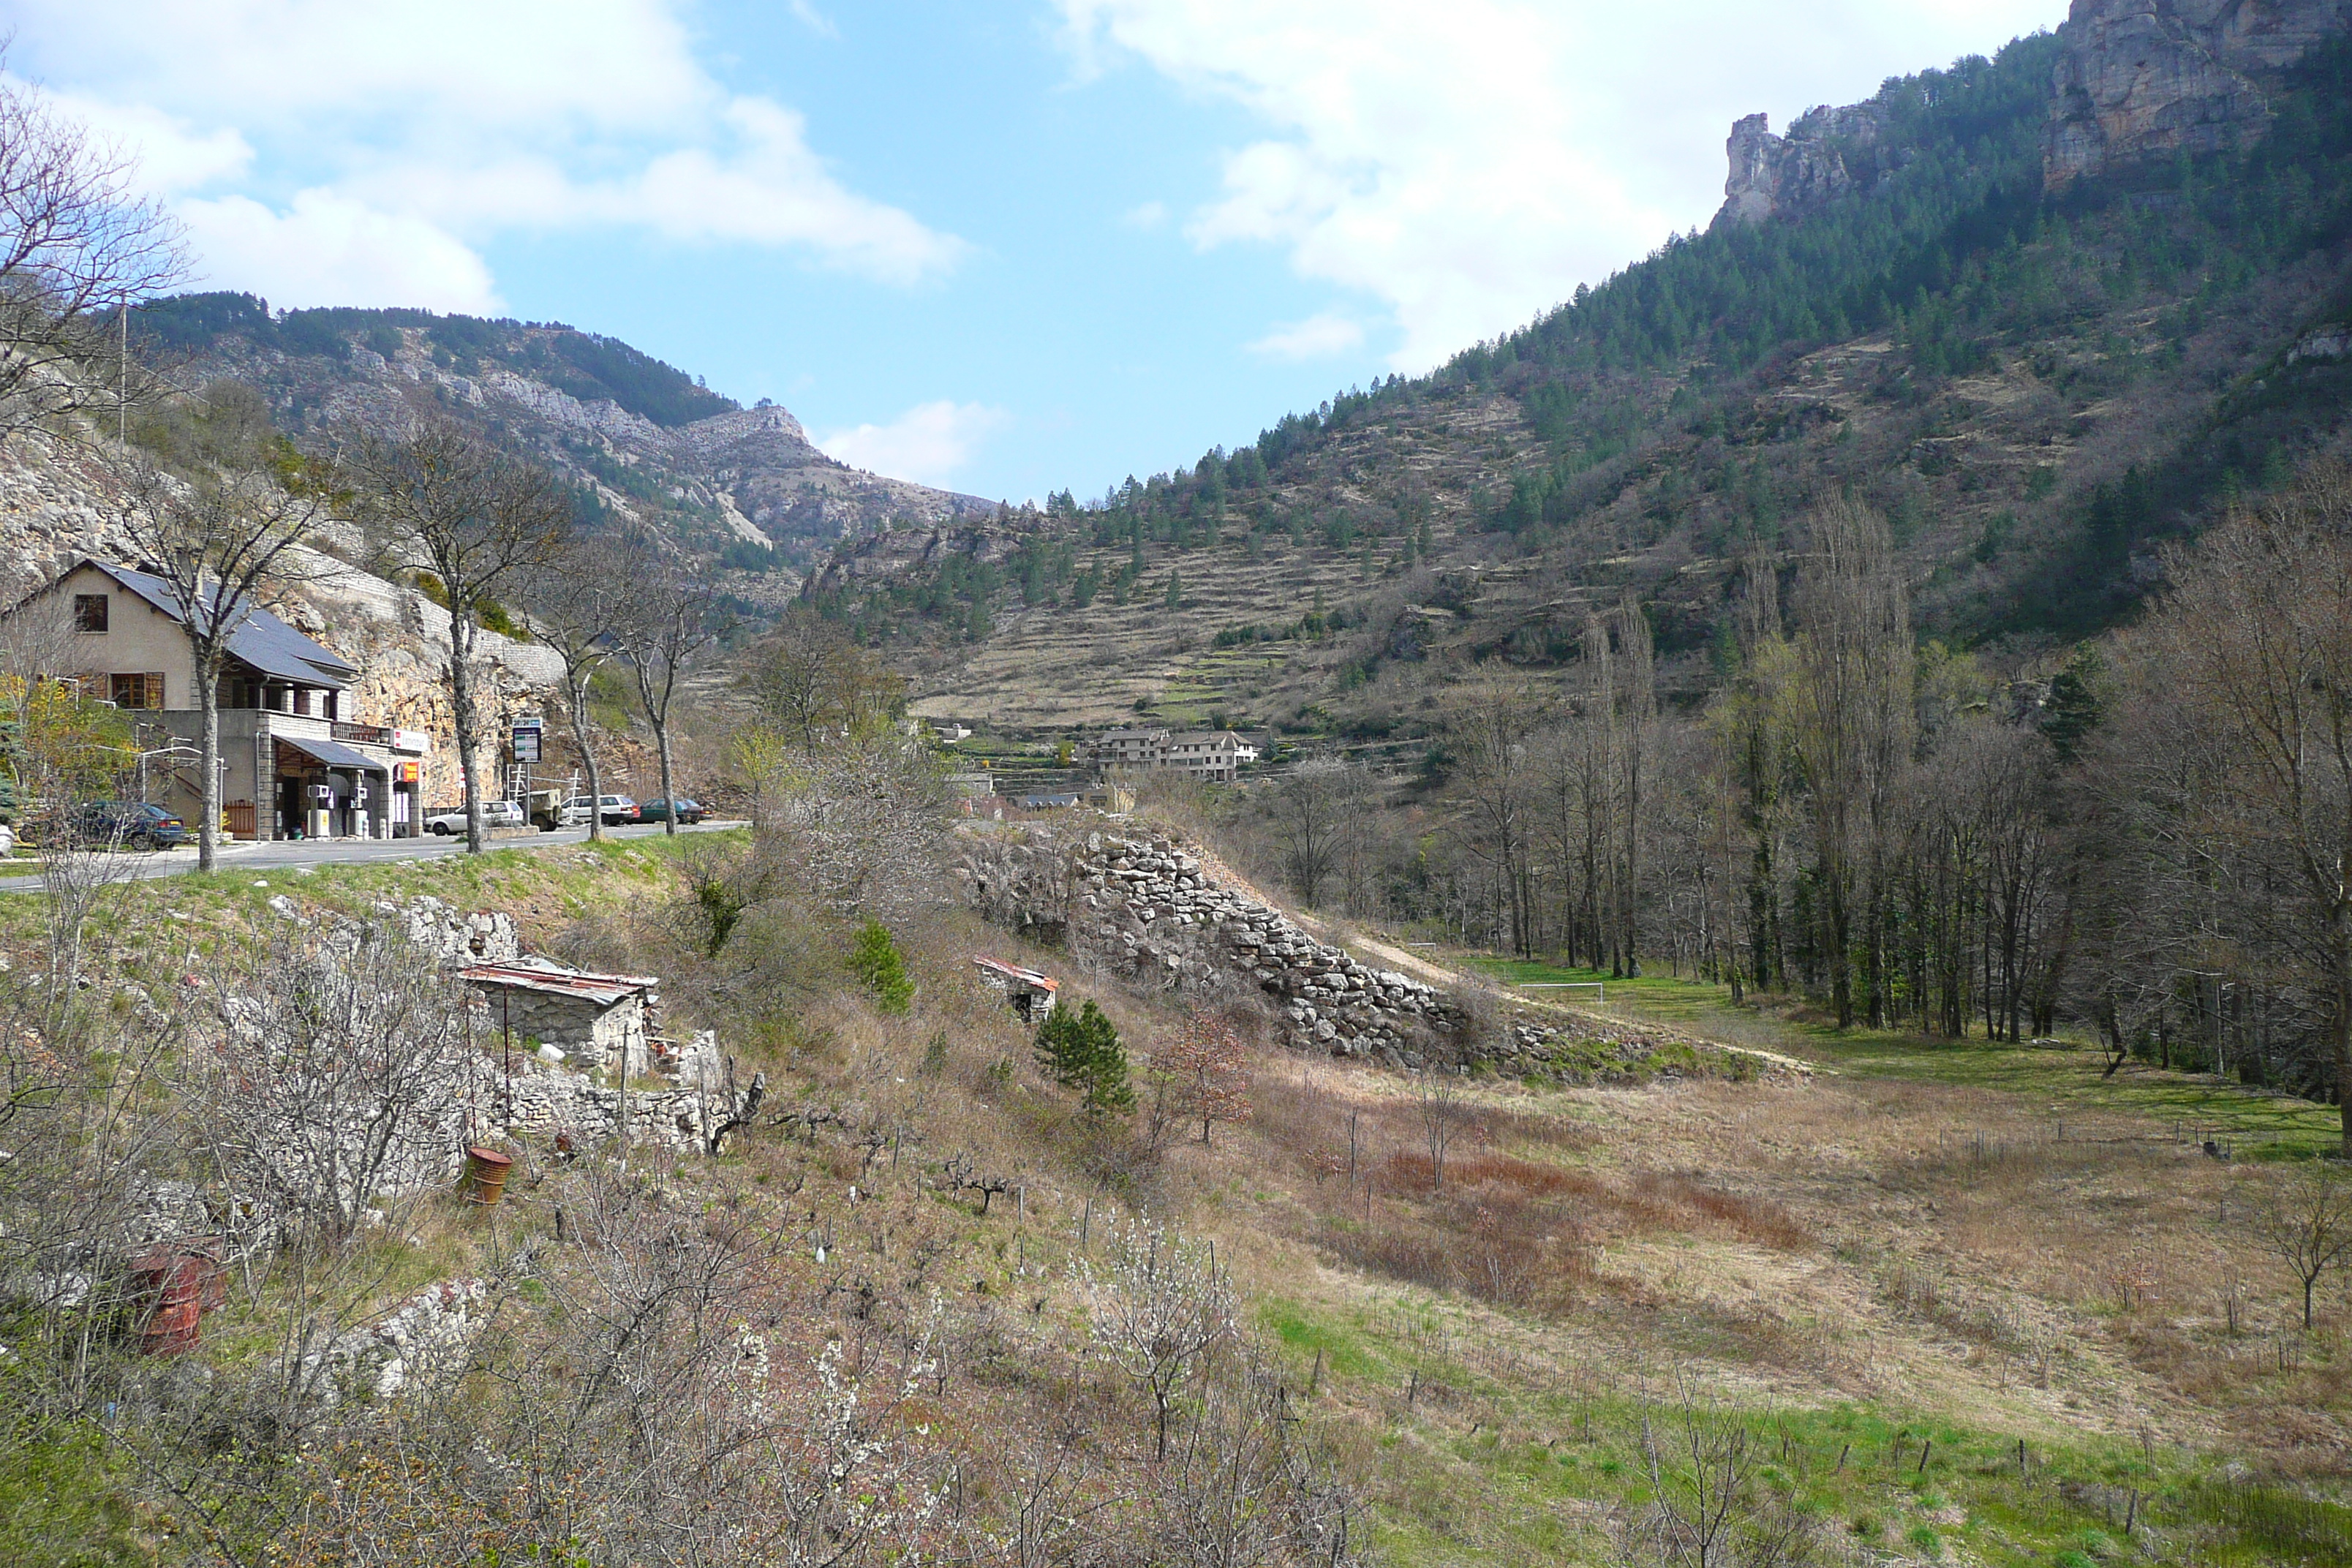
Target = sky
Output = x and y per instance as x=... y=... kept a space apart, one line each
x=1004 y=247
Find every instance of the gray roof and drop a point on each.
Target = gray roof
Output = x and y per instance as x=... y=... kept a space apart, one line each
x=333 y=754
x=263 y=641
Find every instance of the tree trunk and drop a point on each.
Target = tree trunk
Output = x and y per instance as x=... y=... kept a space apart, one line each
x=2343 y=1027
x=462 y=720
x=209 y=812
x=587 y=759
x=669 y=794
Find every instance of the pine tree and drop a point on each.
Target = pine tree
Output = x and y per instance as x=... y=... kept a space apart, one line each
x=875 y=960
x=1081 y=1051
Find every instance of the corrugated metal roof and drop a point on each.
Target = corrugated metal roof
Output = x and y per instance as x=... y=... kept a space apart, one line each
x=554 y=980
x=264 y=641
x=1015 y=971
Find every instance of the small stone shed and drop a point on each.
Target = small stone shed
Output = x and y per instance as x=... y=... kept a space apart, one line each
x=1031 y=993
x=596 y=1020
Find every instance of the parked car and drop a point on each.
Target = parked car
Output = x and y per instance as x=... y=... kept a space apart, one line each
x=688 y=810
x=128 y=822
x=618 y=810
x=448 y=819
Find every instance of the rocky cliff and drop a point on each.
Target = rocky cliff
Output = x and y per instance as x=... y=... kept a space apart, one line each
x=2148 y=78
x=2136 y=79
x=1827 y=153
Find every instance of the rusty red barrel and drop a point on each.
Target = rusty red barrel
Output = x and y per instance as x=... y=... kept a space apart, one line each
x=170 y=1285
x=488 y=1168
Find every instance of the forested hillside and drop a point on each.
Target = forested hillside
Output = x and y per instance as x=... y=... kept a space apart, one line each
x=2035 y=388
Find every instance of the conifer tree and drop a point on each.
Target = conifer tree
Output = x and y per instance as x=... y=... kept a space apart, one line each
x=1081 y=1051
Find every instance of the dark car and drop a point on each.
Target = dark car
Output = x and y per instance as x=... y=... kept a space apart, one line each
x=128 y=822
x=690 y=811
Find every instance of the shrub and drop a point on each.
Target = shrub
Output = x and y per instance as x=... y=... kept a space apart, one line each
x=877 y=962
x=1081 y=1051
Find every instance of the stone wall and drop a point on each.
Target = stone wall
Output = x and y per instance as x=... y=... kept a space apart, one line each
x=1154 y=911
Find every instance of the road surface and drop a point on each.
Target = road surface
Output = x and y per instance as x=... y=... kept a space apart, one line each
x=284 y=854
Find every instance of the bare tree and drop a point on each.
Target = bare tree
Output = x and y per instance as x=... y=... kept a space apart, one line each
x=810 y=678
x=217 y=538
x=477 y=518
x=671 y=615
x=1492 y=736
x=2304 y=1220
x=2258 y=638
x=1437 y=1100
x=79 y=247
x=577 y=601
x=335 y=1084
x=1155 y=1308
x=1852 y=731
x=1310 y=819
x=1708 y=1506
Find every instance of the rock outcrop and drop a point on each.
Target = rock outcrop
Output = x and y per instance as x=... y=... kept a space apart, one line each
x=1826 y=153
x=2141 y=80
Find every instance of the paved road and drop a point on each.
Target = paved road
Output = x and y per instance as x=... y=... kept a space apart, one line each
x=263 y=857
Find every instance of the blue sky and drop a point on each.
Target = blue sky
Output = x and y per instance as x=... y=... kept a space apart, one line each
x=1005 y=248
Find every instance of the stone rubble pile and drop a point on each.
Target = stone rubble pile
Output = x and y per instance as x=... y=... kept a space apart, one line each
x=1150 y=908
x=409 y=1350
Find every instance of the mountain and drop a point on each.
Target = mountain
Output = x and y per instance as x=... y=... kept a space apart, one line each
x=2046 y=311
x=635 y=438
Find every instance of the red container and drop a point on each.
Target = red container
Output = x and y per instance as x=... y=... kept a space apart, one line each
x=170 y=1285
x=488 y=1169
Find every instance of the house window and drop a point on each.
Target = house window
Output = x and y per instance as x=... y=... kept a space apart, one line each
x=90 y=612
x=302 y=700
x=137 y=691
x=329 y=706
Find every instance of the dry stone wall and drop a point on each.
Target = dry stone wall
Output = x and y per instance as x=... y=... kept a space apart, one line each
x=1148 y=909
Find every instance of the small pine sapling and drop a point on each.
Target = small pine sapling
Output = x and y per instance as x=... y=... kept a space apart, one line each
x=1081 y=1051
x=877 y=962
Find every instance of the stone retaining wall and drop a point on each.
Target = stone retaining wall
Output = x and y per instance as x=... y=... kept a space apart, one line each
x=1147 y=907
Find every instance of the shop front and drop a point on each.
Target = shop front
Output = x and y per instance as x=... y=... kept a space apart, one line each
x=328 y=790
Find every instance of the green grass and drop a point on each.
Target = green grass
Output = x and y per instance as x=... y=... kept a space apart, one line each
x=2058 y=1083
x=1488 y=1465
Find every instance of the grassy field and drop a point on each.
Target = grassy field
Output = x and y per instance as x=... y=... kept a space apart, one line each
x=2050 y=1085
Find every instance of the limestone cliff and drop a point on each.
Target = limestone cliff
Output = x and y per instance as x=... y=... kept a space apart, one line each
x=1826 y=153
x=2148 y=78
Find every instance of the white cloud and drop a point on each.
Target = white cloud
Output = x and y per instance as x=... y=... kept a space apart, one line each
x=814 y=20
x=1468 y=164
x=1317 y=337
x=929 y=443
x=440 y=124
x=328 y=249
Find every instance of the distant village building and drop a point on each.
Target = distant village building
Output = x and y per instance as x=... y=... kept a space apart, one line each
x=1139 y=749
x=1215 y=755
x=295 y=762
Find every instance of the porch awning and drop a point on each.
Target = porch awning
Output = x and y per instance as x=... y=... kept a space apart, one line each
x=334 y=755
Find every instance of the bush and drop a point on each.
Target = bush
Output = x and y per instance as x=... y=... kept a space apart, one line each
x=1081 y=1051
x=877 y=962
